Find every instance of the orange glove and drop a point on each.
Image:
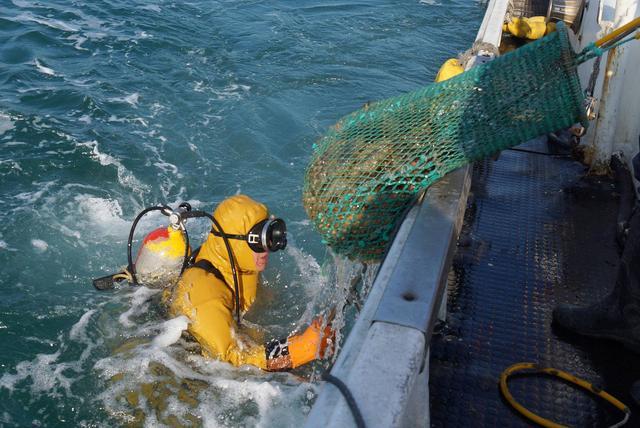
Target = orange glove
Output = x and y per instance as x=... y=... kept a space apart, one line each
x=313 y=343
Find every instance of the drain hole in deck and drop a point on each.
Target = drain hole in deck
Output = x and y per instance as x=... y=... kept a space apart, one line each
x=408 y=296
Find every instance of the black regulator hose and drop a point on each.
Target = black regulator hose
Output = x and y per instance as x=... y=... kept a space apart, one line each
x=131 y=268
x=185 y=207
x=197 y=214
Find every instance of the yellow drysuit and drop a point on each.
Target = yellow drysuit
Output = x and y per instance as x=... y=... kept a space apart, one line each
x=209 y=301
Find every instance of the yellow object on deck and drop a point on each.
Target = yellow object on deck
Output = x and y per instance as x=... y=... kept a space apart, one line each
x=451 y=67
x=551 y=27
x=530 y=28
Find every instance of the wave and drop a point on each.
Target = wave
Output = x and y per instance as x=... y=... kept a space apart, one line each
x=30 y=198
x=131 y=99
x=49 y=22
x=139 y=305
x=6 y=123
x=40 y=245
x=125 y=177
x=4 y=246
x=79 y=41
x=232 y=91
x=151 y=7
x=102 y=215
x=43 y=69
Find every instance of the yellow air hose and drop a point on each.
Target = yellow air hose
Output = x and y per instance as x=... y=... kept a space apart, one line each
x=124 y=275
x=532 y=368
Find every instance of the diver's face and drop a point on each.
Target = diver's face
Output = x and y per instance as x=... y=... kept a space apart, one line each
x=261 y=260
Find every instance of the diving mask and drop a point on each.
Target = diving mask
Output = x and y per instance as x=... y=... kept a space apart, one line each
x=269 y=234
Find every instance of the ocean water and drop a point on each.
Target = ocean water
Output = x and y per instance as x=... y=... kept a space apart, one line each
x=107 y=107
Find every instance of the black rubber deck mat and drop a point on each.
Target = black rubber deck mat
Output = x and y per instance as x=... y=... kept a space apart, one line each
x=538 y=231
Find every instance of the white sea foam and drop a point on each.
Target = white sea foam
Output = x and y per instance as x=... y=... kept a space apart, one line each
x=13 y=165
x=14 y=143
x=30 y=198
x=4 y=246
x=43 y=69
x=199 y=86
x=44 y=373
x=48 y=374
x=208 y=117
x=54 y=311
x=102 y=215
x=263 y=394
x=142 y=121
x=143 y=35
x=95 y=35
x=114 y=118
x=49 y=22
x=168 y=167
x=232 y=91
x=151 y=7
x=79 y=40
x=221 y=390
x=310 y=279
x=6 y=124
x=65 y=230
x=131 y=99
x=310 y=270
x=85 y=118
x=47 y=342
x=40 y=245
x=172 y=330
x=125 y=177
x=157 y=108
x=78 y=330
x=139 y=304
x=21 y=3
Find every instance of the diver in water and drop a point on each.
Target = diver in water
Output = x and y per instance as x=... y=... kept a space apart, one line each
x=205 y=292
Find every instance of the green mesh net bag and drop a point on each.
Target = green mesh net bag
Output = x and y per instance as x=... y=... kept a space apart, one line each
x=370 y=166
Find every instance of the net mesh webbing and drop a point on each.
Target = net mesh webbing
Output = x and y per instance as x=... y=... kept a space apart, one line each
x=368 y=168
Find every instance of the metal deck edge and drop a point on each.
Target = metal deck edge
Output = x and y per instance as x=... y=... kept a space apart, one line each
x=383 y=360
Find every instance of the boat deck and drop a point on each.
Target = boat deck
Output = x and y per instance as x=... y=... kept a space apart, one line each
x=538 y=231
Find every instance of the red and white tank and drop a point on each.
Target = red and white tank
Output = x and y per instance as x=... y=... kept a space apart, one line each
x=160 y=258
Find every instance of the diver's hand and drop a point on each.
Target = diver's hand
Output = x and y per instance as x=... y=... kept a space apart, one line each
x=315 y=342
x=327 y=335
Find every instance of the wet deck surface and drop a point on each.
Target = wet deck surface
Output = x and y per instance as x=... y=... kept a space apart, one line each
x=537 y=232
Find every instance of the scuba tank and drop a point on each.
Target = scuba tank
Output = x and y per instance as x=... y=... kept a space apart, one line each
x=163 y=255
x=160 y=258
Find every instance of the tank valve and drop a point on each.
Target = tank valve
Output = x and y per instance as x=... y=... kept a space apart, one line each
x=176 y=218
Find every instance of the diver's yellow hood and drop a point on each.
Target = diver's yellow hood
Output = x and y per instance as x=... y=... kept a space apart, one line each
x=237 y=215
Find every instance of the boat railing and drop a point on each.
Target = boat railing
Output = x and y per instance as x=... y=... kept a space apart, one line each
x=384 y=362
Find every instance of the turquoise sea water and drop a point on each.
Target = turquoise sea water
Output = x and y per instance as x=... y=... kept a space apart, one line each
x=110 y=106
